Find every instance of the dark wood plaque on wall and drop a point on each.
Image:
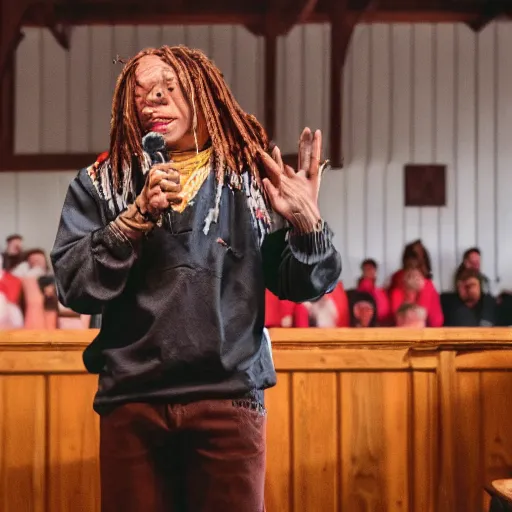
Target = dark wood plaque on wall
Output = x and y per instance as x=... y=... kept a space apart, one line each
x=425 y=185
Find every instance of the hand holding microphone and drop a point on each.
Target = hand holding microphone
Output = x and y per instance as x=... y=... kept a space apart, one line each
x=162 y=187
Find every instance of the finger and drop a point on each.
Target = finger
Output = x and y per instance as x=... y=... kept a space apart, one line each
x=169 y=186
x=155 y=177
x=173 y=198
x=290 y=171
x=316 y=155
x=305 y=142
x=276 y=155
x=173 y=175
x=274 y=172
x=167 y=166
x=271 y=190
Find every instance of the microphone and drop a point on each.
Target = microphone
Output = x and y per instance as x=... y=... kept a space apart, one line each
x=153 y=144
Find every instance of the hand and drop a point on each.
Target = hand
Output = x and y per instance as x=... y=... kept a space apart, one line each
x=294 y=195
x=162 y=189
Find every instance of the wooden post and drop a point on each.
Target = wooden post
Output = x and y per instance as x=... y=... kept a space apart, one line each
x=270 y=92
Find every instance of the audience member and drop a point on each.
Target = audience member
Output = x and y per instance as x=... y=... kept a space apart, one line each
x=417 y=289
x=411 y=316
x=10 y=285
x=284 y=313
x=472 y=258
x=363 y=309
x=412 y=301
x=469 y=306
x=13 y=254
x=331 y=310
x=414 y=252
x=368 y=283
x=11 y=316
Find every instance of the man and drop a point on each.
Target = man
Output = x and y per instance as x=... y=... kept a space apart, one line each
x=13 y=254
x=472 y=259
x=368 y=270
x=469 y=307
x=176 y=257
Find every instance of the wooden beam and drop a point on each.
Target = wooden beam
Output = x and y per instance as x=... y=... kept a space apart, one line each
x=11 y=17
x=270 y=91
x=47 y=162
x=133 y=12
x=343 y=23
x=342 y=27
x=288 y=14
x=7 y=110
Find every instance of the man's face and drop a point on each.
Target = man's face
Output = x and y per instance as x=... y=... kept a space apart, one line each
x=369 y=272
x=469 y=290
x=14 y=246
x=473 y=261
x=37 y=260
x=161 y=105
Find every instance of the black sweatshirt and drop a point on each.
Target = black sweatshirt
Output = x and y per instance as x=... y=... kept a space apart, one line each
x=183 y=311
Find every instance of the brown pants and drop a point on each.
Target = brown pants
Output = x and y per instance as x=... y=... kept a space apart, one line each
x=206 y=456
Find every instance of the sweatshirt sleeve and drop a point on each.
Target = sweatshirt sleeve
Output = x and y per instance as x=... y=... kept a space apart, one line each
x=91 y=258
x=300 y=267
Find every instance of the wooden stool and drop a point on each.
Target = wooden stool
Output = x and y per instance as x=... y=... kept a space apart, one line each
x=501 y=495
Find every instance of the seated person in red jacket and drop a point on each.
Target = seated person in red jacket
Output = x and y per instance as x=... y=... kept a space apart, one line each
x=284 y=313
x=416 y=289
x=10 y=285
x=331 y=310
x=411 y=316
x=414 y=253
x=368 y=283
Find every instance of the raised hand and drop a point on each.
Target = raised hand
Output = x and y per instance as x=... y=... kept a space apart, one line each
x=294 y=194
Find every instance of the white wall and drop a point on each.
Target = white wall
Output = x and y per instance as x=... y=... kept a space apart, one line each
x=413 y=93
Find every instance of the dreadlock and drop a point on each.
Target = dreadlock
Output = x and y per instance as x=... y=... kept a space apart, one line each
x=236 y=136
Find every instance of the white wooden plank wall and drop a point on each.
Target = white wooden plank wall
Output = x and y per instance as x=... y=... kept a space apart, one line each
x=412 y=93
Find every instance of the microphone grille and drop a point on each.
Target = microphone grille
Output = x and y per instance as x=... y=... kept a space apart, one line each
x=153 y=143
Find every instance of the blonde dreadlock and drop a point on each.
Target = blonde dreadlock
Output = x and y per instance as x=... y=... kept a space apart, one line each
x=236 y=136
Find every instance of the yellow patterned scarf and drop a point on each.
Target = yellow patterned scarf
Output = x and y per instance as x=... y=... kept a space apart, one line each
x=194 y=169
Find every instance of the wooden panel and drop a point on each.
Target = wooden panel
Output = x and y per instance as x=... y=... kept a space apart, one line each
x=22 y=443
x=79 y=91
x=396 y=231
x=355 y=184
x=73 y=438
x=315 y=442
x=100 y=76
x=444 y=143
x=8 y=205
x=503 y=120
x=424 y=442
x=469 y=441
x=496 y=441
x=55 y=103
x=465 y=138
x=374 y=442
x=279 y=491
x=485 y=207
x=379 y=155
x=369 y=438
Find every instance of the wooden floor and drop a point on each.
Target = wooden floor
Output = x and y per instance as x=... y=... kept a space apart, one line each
x=361 y=420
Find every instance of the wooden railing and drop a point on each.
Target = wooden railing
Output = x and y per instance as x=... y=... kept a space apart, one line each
x=361 y=420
